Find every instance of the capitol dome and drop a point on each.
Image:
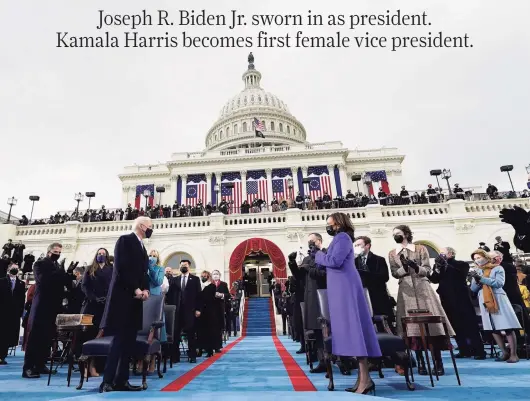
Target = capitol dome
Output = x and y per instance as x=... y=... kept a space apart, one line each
x=234 y=127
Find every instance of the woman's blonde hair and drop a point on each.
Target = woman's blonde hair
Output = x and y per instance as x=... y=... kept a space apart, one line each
x=155 y=253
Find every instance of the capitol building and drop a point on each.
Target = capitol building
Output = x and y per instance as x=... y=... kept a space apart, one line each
x=237 y=165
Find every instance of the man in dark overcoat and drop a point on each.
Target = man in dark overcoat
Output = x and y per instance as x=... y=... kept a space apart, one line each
x=123 y=315
x=50 y=281
x=451 y=276
x=312 y=279
x=12 y=299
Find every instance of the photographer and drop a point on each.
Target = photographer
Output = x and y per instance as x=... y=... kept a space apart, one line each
x=313 y=279
x=451 y=275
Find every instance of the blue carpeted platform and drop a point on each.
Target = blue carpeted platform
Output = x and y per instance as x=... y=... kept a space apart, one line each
x=253 y=370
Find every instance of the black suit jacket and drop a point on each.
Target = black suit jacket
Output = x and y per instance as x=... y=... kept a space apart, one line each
x=122 y=309
x=374 y=278
x=188 y=301
x=12 y=307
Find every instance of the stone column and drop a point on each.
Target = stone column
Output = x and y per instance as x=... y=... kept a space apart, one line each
x=304 y=175
x=344 y=184
x=296 y=188
x=183 y=180
x=166 y=196
x=269 y=185
x=218 y=176
x=172 y=196
x=243 y=185
x=209 y=189
x=125 y=196
x=331 y=170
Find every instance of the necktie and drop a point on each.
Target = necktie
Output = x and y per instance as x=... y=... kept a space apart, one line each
x=12 y=285
x=183 y=284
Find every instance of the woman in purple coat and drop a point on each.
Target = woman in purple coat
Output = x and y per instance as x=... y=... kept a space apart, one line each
x=352 y=330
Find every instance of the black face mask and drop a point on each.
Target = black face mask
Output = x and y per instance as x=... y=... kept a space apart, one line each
x=148 y=233
x=331 y=231
x=54 y=257
x=183 y=269
x=311 y=244
x=168 y=275
x=204 y=279
x=13 y=271
x=398 y=238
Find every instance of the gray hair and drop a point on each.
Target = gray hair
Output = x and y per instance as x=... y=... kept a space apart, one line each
x=80 y=269
x=496 y=254
x=450 y=250
x=54 y=245
x=139 y=221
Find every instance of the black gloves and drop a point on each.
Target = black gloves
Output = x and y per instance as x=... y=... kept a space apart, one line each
x=70 y=268
x=292 y=256
x=413 y=266
x=516 y=217
x=101 y=300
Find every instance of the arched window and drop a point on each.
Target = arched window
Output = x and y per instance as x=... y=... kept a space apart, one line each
x=431 y=248
x=264 y=125
x=221 y=134
x=281 y=127
x=227 y=132
x=288 y=129
x=244 y=127
x=235 y=129
x=272 y=125
x=174 y=260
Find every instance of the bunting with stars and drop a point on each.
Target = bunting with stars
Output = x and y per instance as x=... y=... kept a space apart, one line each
x=378 y=177
x=232 y=194
x=280 y=183
x=257 y=186
x=320 y=182
x=196 y=189
x=139 y=199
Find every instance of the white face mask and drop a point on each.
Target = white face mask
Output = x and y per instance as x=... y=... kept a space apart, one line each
x=358 y=250
x=481 y=262
x=215 y=277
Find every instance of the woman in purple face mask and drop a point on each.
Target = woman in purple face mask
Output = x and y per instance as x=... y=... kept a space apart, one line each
x=95 y=285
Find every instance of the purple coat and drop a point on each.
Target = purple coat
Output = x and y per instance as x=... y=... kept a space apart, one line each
x=352 y=330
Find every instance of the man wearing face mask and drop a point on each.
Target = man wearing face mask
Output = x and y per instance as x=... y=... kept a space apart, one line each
x=123 y=315
x=451 y=275
x=50 y=280
x=374 y=276
x=12 y=298
x=75 y=294
x=187 y=298
x=313 y=279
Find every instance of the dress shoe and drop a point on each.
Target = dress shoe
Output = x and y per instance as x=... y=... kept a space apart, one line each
x=440 y=370
x=301 y=351
x=3 y=362
x=319 y=369
x=127 y=387
x=218 y=351
x=44 y=371
x=105 y=388
x=193 y=360
x=30 y=374
x=460 y=355
x=480 y=357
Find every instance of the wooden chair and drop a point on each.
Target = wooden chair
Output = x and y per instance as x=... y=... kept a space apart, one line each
x=423 y=321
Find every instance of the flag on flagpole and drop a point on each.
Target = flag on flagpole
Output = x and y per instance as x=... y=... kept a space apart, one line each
x=196 y=189
x=257 y=186
x=139 y=200
x=378 y=176
x=280 y=183
x=232 y=194
x=320 y=182
x=259 y=128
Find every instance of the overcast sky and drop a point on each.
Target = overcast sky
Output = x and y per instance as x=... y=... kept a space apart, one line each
x=72 y=118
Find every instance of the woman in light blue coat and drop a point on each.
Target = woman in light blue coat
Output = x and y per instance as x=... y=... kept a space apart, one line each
x=156 y=279
x=495 y=308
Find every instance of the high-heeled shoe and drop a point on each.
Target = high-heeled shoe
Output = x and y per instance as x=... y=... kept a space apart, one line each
x=370 y=389
x=354 y=388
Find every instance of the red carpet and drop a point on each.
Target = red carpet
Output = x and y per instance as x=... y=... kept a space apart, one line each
x=187 y=377
x=298 y=378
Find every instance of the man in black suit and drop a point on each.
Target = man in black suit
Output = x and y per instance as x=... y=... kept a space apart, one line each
x=451 y=275
x=185 y=292
x=12 y=298
x=504 y=248
x=50 y=280
x=374 y=276
x=123 y=315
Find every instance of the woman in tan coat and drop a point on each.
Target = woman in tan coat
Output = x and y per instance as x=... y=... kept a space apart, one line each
x=417 y=267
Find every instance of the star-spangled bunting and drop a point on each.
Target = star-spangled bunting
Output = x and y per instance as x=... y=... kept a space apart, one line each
x=139 y=199
x=378 y=177
x=320 y=182
x=280 y=183
x=196 y=189
x=257 y=186
x=232 y=194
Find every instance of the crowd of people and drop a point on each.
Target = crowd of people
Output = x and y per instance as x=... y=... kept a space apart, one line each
x=113 y=288
x=349 y=200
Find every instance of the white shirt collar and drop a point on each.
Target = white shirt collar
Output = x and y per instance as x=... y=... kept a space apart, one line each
x=410 y=247
x=185 y=275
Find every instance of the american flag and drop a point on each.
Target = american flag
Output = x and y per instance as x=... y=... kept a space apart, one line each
x=320 y=182
x=280 y=183
x=139 y=200
x=378 y=177
x=258 y=127
x=196 y=189
x=232 y=194
x=257 y=186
